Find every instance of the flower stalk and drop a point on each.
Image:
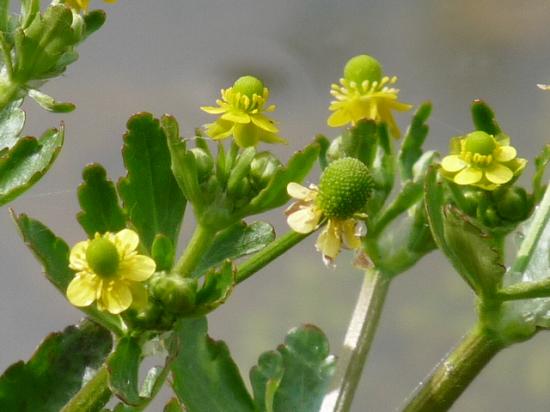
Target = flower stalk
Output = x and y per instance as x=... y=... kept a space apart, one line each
x=199 y=243
x=92 y=396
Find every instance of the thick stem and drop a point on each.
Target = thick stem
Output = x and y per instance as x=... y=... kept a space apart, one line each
x=357 y=342
x=198 y=244
x=269 y=253
x=93 y=396
x=455 y=372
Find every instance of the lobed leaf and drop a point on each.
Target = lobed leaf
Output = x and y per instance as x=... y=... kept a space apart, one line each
x=205 y=377
x=152 y=198
x=218 y=285
x=484 y=118
x=411 y=148
x=296 y=376
x=99 y=202
x=56 y=371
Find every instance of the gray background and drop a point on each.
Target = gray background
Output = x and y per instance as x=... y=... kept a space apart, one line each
x=173 y=56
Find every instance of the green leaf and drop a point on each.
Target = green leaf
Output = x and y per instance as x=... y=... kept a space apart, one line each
x=218 y=285
x=12 y=120
x=411 y=148
x=93 y=21
x=56 y=371
x=205 y=377
x=99 y=202
x=26 y=162
x=173 y=406
x=123 y=366
x=360 y=141
x=324 y=144
x=296 y=376
x=151 y=196
x=49 y=103
x=484 y=118
x=541 y=162
x=53 y=253
x=274 y=194
x=234 y=242
x=163 y=253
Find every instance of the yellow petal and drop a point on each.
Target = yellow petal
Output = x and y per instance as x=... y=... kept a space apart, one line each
x=297 y=191
x=498 y=174
x=213 y=109
x=349 y=234
x=328 y=242
x=505 y=153
x=271 y=137
x=136 y=268
x=468 y=176
x=339 y=118
x=453 y=163
x=116 y=297
x=140 y=297
x=246 y=135
x=264 y=122
x=77 y=258
x=220 y=129
x=304 y=220
x=236 y=117
x=126 y=241
x=82 y=289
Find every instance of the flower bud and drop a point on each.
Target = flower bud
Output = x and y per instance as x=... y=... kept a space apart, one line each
x=263 y=167
x=176 y=294
x=204 y=163
x=361 y=68
x=513 y=204
x=344 y=188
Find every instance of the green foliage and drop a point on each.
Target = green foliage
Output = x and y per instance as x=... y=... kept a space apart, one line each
x=151 y=196
x=295 y=377
x=123 y=365
x=411 y=148
x=163 y=252
x=204 y=376
x=484 y=118
x=541 y=163
x=218 y=285
x=12 y=120
x=173 y=406
x=56 y=371
x=99 y=202
x=236 y=241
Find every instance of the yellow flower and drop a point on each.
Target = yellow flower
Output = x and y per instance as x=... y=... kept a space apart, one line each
x=305 y=216
x=109 y=271
x=241 y=108
x=479 y=159
x=82 y=5
x=544 y=87
x=364 y=94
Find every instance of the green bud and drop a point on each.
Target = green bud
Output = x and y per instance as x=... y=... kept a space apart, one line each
x=344 y=188
x=249 y=86
x=361 y=68
x=203 y=162
x=480 y=142
x=176 y=294
x=491 y=217
x=471 y=198
x=102 y=256
x=513 y=204
x=263 y=167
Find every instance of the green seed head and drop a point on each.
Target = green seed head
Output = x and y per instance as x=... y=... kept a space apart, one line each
x=361 y=68
x=344 y=188
x=102 y=256
x=249 y=86
x=480 y=142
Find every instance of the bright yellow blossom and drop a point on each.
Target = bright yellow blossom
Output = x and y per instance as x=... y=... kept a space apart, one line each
x=109 y=271
x=364 y=94
x=241 y=108
x=305 y=216
x=82 y=5
x=482 y=160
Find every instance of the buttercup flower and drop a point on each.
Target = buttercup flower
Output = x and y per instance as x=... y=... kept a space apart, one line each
x=364 y=94
x=109 y=271
x=482 y=160
x=341 y=196
x=241 y=108
x=82 y=5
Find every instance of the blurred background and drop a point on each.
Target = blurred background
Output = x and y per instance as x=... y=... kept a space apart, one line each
x=173 y=56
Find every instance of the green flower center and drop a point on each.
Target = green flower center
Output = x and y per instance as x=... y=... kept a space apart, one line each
x=361 y=68
x=102 y=256
x=344 y=188
x=249 y=86
x=480 y=143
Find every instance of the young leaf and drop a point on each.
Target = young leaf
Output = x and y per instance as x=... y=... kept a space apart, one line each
x=324 y=144
x=218 y=285
x=99 y=202
x=151 y=196
x=484 y=118
x=411 y=148
x=26 y=162
x=56 y=371
x=296 y=376
x=49 y=103
x=237 y=240
x=12 y=120
x=123 y=366
x=205 y=377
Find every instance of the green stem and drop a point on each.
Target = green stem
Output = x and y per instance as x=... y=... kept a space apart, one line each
x=526 y=290
x=198 y=244
x=357 y=342
x=93 y=396
x=455 y=372
x=269 y=253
